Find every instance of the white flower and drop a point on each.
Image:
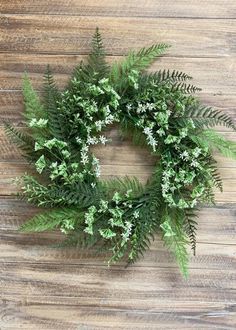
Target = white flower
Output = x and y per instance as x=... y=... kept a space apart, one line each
x=136 y=214
x=92 y=140
x=150 y=106
x=85 y=148
x=109 y=119
x=128 y=227
x=103 y=139
x=196 y=152
x=153 y=143
x=194 y=163
x=97 y=171
x=184 y=155
x=141 y=108
x=84 y=157
x=147 y=131
x=151 y=140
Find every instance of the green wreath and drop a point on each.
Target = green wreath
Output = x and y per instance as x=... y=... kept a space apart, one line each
x=120 y=216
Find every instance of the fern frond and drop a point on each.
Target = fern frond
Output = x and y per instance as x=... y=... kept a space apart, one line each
x=162 y=76
x=190 y=227
x=175 y=238
x=149 y=219
x=147 y=224
x=185 y=88
x=207 y=117
x=96 y=60
x=82 y=241
x=51 y=98
x=124 y=185
x=81 y=196
x=179 y=247
x=50 y=220
x=23 y=140
x=128 y=129
x=33 y=106
x=215 y=176
x=135 y=61
x=215 y=141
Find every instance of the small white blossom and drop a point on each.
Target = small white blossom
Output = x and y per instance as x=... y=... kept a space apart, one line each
x=184 y=155
x=147 y=131
x=151 y=140
x=92 y=140
x=109 y=119
x=194 y=163
x=103 y=139
x=128 y=227
x=99 y=125
x=196 y=152
x=136 y=214
x=150 y=106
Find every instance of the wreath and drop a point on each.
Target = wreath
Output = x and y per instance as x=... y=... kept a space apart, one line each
x=120 y=216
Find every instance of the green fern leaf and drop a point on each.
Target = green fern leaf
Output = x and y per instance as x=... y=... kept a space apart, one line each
x=135 y=61
x=96 y=60
x=49 y=220
x=23 y=140
x=33 y=106
x=51 y=97
x=190 y=227
x=207 y=117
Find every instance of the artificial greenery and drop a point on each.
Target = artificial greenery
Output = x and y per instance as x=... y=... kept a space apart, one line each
x=158 y=110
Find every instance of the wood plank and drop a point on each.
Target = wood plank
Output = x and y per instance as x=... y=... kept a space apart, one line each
x=71 y=35
x=37 y=248
x=146 y=289
x=31 y=312
x=133 y=8
x=87 y=281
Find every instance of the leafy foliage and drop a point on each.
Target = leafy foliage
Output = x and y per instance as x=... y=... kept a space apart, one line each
x=24 y=141
x=33 y=105
x=190 y=227
x=121 y=216
x=134 y=63
x=65 y=217
x=215 y=141
x=207 y=117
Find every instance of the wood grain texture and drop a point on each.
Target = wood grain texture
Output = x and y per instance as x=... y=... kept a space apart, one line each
x=72 y=35
x=43 y=287
x=122 y=8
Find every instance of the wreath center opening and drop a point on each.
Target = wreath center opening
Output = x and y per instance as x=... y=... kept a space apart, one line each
x=120 y=157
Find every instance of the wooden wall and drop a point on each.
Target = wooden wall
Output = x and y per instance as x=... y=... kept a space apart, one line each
x=45 y=288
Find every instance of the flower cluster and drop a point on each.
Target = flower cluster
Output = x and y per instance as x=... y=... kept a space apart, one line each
x=119 y=218
x=182 y=178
